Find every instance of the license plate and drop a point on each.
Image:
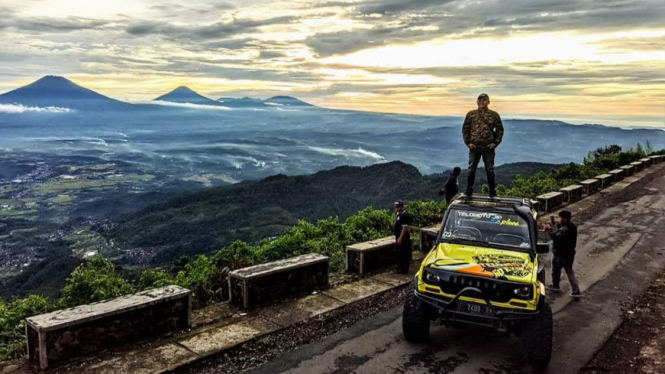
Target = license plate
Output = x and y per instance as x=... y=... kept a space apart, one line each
x=475 y=309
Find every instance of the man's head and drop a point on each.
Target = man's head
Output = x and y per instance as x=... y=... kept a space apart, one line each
x=483 y=101
x=457 y=171
x=564 y=217
x=399 y=206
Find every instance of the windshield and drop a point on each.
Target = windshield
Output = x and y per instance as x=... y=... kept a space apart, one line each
x=505 y=229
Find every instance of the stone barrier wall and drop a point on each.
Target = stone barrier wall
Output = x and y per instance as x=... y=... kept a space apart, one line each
x=274 y=281
x=61 y=336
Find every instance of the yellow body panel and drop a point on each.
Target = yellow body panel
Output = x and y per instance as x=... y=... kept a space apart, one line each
x=483 y=262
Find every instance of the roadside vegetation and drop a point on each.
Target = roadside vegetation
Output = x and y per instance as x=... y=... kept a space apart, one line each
x=206 y=275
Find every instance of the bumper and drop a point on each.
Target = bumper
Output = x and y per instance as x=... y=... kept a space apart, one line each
x=448 y=309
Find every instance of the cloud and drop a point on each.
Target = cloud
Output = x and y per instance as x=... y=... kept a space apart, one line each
x=186 y=105
x=211 y=31
x=18 y=109
x=349 y=153
x=396 y=6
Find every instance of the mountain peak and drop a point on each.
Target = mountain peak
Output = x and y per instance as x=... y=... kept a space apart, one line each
x=53 y=90
x=287 y=101
x=184 y=94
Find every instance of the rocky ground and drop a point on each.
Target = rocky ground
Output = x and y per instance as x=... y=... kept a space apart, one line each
x=638 y=346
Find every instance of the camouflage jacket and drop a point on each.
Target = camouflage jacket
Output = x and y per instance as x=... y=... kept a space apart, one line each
x=482 y=128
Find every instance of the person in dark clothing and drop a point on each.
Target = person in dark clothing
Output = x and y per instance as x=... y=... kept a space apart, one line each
x=402 y=237
x=482 y=132
x=564 y=240
x=450 y=189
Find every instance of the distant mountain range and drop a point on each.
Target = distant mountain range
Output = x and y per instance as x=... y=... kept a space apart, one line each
x=184 y=94
x=55 y=91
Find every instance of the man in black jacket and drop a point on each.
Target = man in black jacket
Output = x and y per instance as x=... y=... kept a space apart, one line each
x=564 y=239
x=450 y=189
x=402 y=237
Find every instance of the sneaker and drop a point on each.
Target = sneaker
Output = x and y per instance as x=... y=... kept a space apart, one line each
x=576 y=294
x=551 y=287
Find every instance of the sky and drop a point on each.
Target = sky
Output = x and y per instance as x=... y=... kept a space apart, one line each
x=584 y=61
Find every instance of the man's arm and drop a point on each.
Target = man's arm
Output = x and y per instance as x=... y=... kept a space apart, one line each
x=406 y=221
x=403 y=234
x=498 y=132
x=557 y=235
x=466 y=130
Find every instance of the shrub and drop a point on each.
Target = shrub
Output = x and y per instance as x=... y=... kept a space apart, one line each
x=94 y=280
x=12 y=325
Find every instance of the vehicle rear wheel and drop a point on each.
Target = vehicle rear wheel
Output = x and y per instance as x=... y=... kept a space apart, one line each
x=415 y=317
x=537 y=337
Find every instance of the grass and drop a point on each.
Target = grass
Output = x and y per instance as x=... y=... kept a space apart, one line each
x=80 y=184
x=62 y=199
x=16 y=213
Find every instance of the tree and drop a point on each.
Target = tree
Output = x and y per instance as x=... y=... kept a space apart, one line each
x=648 y=148
x=94 y=280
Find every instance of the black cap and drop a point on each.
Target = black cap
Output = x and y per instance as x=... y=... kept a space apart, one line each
x=483 y=96
x=399 y=203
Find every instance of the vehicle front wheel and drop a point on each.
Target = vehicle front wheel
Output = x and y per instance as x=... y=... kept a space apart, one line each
x=415 y=317
x=537 y=337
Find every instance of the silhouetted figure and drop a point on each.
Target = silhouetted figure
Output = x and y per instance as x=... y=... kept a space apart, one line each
x=482 y=132
x=402 y=237
x=450 y=189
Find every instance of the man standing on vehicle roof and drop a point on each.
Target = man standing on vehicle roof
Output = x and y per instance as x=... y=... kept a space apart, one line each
x=482 y=132
x=564 y=238
x=402 y=237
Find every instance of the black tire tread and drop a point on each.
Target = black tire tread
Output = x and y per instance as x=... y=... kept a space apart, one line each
x=415 y=318
x=538 y=333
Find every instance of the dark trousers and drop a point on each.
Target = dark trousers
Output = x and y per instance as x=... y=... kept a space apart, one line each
x=404 y=256
x=488 y=160
x=565 y=263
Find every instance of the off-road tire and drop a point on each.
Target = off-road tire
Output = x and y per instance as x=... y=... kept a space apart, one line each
x=537 y=336
x=415 y=317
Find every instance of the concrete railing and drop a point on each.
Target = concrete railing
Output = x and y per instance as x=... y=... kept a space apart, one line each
x=367 y=257
x=618 y=174
x=605 y=180
x=639 y=166
x=628 y=169
x=549 y=201
x=572 y=193
x=270 y=282
x=591 y=186
x=57 y=337
x=553 y=200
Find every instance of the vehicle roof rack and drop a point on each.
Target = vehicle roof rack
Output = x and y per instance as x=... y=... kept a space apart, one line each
x=499 y=199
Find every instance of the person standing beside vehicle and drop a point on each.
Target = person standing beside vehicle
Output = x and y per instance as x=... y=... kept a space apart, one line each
x=450 y=189
x=402 y=237
x=482 y=132
x=564 y=240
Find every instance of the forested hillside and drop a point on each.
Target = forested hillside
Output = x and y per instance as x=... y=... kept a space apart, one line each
x=205 y=221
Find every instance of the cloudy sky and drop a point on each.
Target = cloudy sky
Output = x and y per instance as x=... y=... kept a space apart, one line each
x=599 y=61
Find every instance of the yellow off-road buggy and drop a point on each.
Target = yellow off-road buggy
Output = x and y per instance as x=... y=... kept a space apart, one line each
x=484 y=270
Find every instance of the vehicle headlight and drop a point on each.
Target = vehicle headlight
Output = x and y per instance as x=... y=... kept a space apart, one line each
x=523 y=292
x=431 y=278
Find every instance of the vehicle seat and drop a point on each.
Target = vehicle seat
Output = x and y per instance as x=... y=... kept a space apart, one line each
x=468 y=232
x=510 y=239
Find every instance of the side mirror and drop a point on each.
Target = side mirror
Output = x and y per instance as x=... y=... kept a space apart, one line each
x=431 y=234
x=542 y=248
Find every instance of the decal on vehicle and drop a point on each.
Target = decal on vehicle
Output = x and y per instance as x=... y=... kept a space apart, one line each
x=500 y=266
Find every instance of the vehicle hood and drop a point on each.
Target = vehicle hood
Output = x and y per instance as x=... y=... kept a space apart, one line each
x=482 y=261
